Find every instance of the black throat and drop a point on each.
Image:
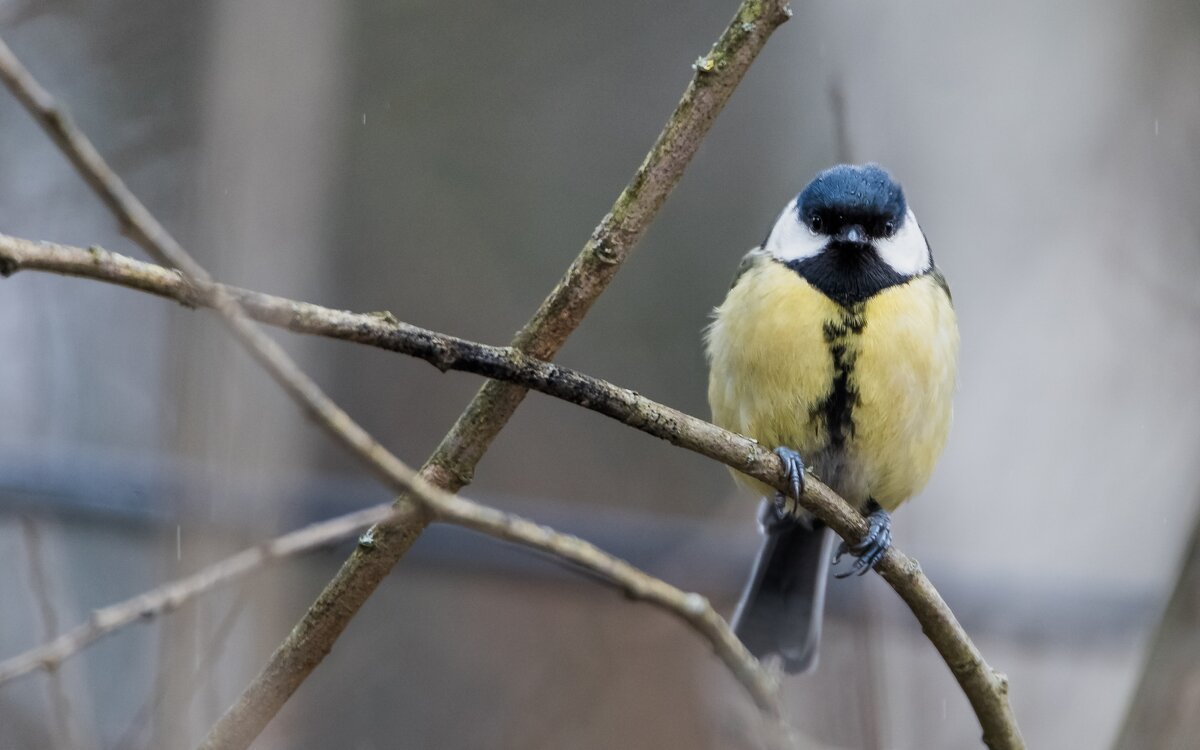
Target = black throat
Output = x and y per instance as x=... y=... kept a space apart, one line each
x=848 y=273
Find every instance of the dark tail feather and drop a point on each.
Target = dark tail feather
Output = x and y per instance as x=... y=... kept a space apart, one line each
x=782 y=606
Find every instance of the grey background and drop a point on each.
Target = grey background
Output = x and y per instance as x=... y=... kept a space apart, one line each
x=445 y=162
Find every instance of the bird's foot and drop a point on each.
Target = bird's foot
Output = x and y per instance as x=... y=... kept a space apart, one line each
x=869 y=550
x=787 y=506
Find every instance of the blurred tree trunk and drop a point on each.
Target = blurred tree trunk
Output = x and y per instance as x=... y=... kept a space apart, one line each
x=268 y=96
x=1165 y=712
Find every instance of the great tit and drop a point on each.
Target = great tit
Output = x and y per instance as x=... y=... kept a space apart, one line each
x=836 y=346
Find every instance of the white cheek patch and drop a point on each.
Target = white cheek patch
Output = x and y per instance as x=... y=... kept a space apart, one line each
x=906 y=252
x=791 y=240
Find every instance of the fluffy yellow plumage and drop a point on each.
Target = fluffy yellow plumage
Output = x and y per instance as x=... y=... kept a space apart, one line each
x=780 y=351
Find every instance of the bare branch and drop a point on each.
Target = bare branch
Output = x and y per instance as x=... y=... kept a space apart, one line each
x=986 y=689
x=1162 y=713
x=165 y=598
x=201 y=675
x=64 y=725
x=693 y=609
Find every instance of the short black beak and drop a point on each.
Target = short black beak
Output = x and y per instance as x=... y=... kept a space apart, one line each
x=852 y=234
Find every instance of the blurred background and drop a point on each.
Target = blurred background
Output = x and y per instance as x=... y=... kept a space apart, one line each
x=446 y=162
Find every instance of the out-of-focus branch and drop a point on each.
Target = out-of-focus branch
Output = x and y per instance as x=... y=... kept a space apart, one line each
x=717 y=75
x=1163 y=713
x=692 y=608
x=168 y=597
x=64 y=727
x=986 y=689
x=201 y=676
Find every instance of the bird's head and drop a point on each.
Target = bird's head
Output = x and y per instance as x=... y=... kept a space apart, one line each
x=851 y=211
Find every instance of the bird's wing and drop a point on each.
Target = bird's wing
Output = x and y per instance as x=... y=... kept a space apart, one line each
x=936 y=273
x=749 y=260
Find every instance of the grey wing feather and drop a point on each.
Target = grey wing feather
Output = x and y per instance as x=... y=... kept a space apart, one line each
x=936 y=273
x=750 y=260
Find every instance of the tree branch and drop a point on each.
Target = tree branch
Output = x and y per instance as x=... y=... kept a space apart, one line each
x=63 y=726
x=693 y=609
x=986 y=689
x=170 y=596
x=1162 y=712
x=717 y=75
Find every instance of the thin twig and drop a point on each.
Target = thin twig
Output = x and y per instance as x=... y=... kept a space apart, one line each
x=986 y=689
x=201 y=675
x=39 y=585
x=170 y=596
x=692 y=608
x=843 y=150
x=1162 y=710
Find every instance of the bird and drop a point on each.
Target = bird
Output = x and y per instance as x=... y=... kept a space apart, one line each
x=837 y=347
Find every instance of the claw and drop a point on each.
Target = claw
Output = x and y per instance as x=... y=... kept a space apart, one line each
x=773 y=514
x=793 y=466
x=779 y=510
x=872 y=547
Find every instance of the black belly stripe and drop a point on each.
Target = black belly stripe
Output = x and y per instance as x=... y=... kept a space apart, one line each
x=837 y=410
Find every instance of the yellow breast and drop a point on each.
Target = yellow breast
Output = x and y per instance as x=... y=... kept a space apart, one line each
x=862 y=392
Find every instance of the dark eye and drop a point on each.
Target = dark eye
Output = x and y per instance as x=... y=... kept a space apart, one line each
x=815 y=223
x=889 y=228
